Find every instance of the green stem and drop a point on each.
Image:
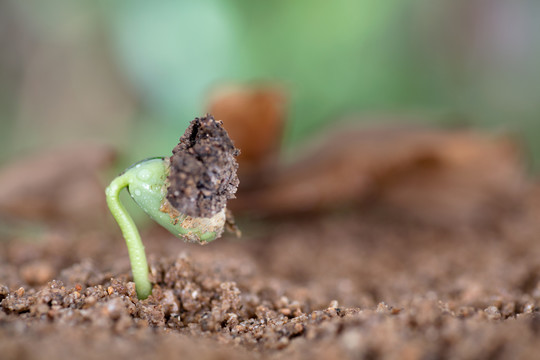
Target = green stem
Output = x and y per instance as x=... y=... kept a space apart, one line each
x=137 y=256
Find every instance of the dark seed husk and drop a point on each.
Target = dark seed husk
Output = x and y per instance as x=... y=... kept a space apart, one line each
x=203 y=169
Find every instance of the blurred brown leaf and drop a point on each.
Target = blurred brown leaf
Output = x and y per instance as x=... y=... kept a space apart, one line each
x=432 y=174
x=254 y=118
x=56 y=184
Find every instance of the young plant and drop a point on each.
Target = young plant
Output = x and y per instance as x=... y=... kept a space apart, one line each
x=186 y=193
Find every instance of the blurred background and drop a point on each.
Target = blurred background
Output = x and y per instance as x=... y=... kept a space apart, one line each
x=389 y=149
x=134 y=73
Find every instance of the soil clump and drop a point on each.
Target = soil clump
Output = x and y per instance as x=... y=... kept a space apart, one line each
x=203 y=169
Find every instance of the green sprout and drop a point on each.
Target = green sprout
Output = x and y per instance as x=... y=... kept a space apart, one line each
x=149 y=184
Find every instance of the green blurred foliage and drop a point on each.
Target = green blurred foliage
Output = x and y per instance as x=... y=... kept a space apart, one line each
x=449 y=62
x=333 y=57
x=339 y=57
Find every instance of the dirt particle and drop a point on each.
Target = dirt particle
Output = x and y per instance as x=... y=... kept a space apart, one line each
x=493 y=313
x=298 y=328
x=37 y=273
x=4 y=291
x=383 y=308
x=333 y=304
x=528 y=308
x=170 y=303
x=285 y=311
x=115 y=308
x=90 y=301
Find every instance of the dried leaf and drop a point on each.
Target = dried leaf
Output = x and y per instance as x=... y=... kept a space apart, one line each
x=59 y=183
x=433 y=173
x=254 y=118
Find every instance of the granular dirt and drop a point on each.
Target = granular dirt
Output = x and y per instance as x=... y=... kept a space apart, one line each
x=361 y=285
x=460 y=279
x=203 y=169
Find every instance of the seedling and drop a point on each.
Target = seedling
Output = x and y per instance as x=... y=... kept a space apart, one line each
x=186 y=193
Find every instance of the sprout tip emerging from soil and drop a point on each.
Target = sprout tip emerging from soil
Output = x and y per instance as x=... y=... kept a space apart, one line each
x=186 y=193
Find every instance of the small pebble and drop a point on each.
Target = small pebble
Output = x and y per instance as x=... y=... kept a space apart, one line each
x=37 y=273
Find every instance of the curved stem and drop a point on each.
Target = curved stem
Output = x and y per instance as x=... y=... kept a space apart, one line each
x=137 y=256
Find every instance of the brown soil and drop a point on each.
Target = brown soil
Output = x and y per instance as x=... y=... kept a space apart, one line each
x=203 y=169
x=425 y=246
x=358 y=285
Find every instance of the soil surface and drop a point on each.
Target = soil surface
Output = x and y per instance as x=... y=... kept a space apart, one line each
x=359 y=284
x=425 y=246
x=203 y=169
